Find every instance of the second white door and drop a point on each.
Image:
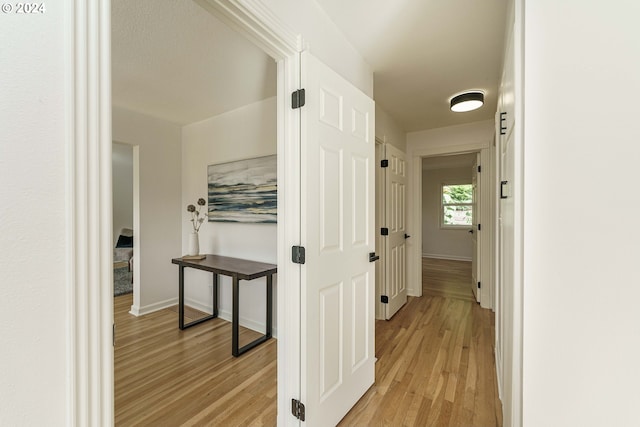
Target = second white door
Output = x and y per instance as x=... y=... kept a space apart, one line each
x=396 y=224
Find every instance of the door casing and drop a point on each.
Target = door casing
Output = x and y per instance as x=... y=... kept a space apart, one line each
x=414 y=211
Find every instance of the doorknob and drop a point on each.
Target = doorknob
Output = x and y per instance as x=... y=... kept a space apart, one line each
x=373 y=257
x=406 y=236
x=471 y=231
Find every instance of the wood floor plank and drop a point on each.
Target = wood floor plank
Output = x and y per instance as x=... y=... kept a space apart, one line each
x=168 y=377
x=441 y=347
x=435 y=366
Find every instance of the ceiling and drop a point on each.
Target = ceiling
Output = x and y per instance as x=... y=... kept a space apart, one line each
x=181 y=64
x=173 y=60
x=423 y=52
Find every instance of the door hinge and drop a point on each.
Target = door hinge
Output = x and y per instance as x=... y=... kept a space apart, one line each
x=479 y=227
x=297 y=409
x=384 y=299
x=384 y=231
x=114 y=334
x=384 y=163
x=297 y=99
x=479 y=168
x=479 y=286
x=297 y=254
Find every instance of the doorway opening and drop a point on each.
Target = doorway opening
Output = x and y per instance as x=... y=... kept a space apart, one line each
x=432 y=170
x=449 y=222
x=179 y=144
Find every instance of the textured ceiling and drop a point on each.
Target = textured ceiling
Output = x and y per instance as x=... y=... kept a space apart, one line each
x=423 y=52
x=173 y=60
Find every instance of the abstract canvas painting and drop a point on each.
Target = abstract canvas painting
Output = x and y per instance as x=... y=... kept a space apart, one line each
x=243 y=191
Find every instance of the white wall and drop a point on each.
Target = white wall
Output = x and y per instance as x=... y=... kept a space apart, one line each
x=581 y=153
x=244 y=133
x=388 y=130
x=122 y=173
x=325 y=40
x=440 y=242
x=33 y=221
x=157 y=236
x=452 y=136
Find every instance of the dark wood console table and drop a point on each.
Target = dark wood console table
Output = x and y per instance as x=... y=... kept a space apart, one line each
x=237 y=269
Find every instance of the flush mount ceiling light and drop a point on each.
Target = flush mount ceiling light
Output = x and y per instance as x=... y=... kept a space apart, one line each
x=467 y=101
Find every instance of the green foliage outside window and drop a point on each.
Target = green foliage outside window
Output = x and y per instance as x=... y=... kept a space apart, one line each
x=457 y=205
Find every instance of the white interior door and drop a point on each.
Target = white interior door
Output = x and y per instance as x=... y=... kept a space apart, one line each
x=380 y=239
x=396 y=215
x=475 y=235
x=337 y=283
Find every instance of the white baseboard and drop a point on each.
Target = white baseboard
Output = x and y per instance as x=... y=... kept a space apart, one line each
x=252 y=324
x=223 y=314
x=207 y=308
x=449 y=257
x=141 y=311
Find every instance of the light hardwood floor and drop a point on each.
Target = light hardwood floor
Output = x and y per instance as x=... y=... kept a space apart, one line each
x=435 y=366
x=168 y=377
x=447 y=278
x=435 y=358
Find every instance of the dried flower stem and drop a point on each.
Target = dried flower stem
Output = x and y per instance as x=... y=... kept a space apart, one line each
x=196 y=219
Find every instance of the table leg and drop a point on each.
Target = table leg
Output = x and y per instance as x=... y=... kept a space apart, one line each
x=269 y=304
x=215 y=294
x=181 y=297
x=235 y=317
x=181 y=323
x=235 y=326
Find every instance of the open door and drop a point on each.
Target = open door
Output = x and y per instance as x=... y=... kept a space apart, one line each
x=338 y=279
x=475 y=235
x=395 y=242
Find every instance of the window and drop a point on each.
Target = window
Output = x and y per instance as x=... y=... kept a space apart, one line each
x=457 y=205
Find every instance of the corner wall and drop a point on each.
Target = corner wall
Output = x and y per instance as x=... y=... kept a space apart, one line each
x=157 y=235
x=325 y=40
x=244 y=133
x=387 y=130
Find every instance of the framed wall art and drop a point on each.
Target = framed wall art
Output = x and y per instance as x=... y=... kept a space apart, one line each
x=243 y=191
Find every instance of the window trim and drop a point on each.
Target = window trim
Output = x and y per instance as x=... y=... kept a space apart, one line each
x=444 y=226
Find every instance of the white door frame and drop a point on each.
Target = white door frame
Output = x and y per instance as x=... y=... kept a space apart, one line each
x=253 y=20
x=414 y=211
x=89 y=206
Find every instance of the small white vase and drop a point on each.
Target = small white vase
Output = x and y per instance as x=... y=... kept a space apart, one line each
x=194 y=244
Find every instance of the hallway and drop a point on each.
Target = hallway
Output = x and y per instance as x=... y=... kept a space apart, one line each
x=435 y=358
